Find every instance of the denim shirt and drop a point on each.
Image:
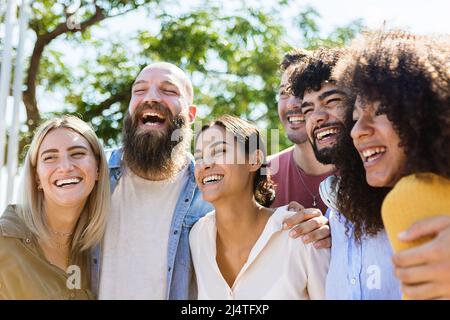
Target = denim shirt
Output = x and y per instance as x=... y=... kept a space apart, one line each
x=189 y=208
x=359 y=270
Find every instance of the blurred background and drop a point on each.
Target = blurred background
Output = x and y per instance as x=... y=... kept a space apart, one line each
x=81 y=57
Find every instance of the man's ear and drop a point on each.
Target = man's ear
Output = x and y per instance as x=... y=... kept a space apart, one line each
x=192 y=111
x=256 y=160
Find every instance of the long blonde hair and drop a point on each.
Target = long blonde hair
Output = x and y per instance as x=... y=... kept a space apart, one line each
x=91 y=224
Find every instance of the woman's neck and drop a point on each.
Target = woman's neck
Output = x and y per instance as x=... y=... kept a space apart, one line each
x=240 y=223
x=62 y=219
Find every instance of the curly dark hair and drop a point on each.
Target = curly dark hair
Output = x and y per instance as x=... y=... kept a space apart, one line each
x=356 y=200
x=293 y=57
x=313 y=70
x=409 y=75
x=246 y=134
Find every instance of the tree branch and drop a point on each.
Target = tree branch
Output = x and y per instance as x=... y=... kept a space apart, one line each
x=29 y=95
x=105 y=104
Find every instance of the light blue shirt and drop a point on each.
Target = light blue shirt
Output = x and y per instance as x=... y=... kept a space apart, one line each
x=359 y=271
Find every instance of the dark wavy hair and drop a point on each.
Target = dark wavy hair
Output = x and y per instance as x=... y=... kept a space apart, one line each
x=247 y=134
x=293 y=57
x=409 y=75
x=356 y=200
x=313 y=69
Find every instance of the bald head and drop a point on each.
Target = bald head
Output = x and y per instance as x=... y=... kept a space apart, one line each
x=175 y=72
x=166 y=85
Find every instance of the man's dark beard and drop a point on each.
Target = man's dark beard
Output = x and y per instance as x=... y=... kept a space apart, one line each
x=150 y=152
x=328 y=155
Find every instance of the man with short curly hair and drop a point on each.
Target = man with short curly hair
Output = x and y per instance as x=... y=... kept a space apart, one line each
x=360 y=269
x=295 y=170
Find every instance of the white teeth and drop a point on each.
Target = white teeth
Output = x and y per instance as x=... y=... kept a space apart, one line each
x=212 y=178
x=60 y=183
x=296 y=119
x=322 y=134
x=152 y=114
x=370 y=152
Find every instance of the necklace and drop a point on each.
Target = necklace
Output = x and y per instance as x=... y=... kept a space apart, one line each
x=314 y=202
x=60 y=245
x=61 y=234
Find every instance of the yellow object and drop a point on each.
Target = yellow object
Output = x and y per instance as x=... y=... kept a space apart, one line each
x=412 y=199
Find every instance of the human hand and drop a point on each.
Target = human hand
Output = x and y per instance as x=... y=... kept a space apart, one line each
x=310 y=224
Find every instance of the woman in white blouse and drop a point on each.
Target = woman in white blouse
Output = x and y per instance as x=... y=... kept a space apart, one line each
x=240 y=250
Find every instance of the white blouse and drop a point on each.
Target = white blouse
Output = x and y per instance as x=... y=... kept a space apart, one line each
x=278 y=267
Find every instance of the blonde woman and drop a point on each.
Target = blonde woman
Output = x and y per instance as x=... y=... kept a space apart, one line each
x=45 y=239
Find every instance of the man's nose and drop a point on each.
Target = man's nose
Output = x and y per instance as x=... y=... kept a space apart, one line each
x=318 y=116
x=152 y=95
x=293 y=102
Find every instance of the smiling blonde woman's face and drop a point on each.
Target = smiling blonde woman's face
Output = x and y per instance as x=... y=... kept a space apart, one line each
x=66 y=168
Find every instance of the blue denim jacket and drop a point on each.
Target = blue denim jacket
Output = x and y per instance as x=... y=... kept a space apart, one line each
x=189 y=208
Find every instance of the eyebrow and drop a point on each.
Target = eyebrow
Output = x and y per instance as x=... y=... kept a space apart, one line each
x=306 y=104
x=56 y=150
x=213 y=145
x=167 y=82
x=330 y=92
x=138 y=82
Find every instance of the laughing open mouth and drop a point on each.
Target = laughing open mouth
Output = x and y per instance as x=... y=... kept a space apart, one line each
x=296 y=119
x=152 y=118
x=372 y=154
x=212 y=179
x=67 y=182
x=326 y=134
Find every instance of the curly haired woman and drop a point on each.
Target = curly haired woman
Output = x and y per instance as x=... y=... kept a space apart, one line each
x=400 y=127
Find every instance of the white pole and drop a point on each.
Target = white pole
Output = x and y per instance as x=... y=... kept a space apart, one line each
x=5 y=77
x=13 y=144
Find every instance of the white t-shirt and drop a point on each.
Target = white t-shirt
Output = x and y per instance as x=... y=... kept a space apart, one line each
x=278 y=267
x=134 y=264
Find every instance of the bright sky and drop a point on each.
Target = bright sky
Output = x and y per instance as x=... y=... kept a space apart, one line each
x=419 y=16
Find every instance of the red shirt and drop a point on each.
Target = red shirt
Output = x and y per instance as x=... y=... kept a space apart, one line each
x=293 y=184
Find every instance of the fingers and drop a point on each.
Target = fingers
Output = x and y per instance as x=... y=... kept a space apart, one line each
x=414 y=275
x=316 y=235
x=305 y=228
x=301 y=216
x=422 y=291
x=323 y=244
x=426 y=227
x=295 y=206
x=415 y=256
x=427 y=273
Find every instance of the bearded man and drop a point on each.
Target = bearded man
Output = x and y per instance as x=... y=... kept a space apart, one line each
x=155 y=199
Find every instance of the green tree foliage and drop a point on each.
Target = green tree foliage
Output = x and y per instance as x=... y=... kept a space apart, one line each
x=231 y=55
